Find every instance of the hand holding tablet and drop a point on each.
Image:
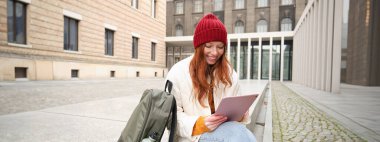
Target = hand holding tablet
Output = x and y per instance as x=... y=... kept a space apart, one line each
x=235 y=107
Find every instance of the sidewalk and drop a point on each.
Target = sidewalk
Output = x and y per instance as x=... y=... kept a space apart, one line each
x=357 y=108
x=295 y=119
x=61 y=111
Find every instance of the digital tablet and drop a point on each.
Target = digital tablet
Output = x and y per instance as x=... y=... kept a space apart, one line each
x=235 y=107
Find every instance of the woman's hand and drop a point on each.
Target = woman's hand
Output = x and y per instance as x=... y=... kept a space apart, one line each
x=213 y=121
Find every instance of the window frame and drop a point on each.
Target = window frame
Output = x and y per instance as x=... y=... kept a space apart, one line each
x=241 y=28
x=153 y=51
x=135 y=47
x=257 y=26
x=197 y=7
x=262 y=3
x=15 y=21
x=215 y=5
x=177 y=7
x=177 y=28
x=241 y=3
x=106 y=42
x=135 y=4
x=76 y=22
x=287 y=2
x=154 y=8
x=285 y=26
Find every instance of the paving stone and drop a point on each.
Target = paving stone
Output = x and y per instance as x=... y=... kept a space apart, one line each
x=301 y=121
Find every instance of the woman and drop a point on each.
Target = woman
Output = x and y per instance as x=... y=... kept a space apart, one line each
x=199 y=84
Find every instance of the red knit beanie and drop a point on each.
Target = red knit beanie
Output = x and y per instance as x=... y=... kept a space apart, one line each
x=209 y=28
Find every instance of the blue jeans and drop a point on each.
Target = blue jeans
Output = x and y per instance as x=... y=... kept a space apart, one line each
x=229 y=132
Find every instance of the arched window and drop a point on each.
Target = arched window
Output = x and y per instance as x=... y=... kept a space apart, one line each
x=286 y=24
x=262 y=26
x=262 y=3
x=239 y=26
x=178 y=30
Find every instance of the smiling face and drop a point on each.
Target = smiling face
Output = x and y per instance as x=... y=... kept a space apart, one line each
x=213 y=51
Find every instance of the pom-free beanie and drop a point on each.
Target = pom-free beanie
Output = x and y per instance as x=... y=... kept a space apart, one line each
x=209 y=28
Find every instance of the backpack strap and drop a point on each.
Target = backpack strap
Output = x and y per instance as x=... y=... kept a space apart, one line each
x=173 y=123
x=168 y=86
x=174 y=120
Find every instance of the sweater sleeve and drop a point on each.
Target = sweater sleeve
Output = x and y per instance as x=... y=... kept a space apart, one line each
x=200 y=127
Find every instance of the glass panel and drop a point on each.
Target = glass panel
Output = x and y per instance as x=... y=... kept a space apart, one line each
x=233 y=55
x=286 y=24
x=239 y=4
x=153 y=52
x=262 y=3
x=179 y=8
x=66 y=34
x=286 y=2
x=262 y=26
x=73 y=33
x=20 y=16
x=239 y=27
x=179 y=30
x=10 y=21
x=218 y=5
x=265 y=62
x=254 y=60
x=198 y=6
x=288 y=60
x=134 y=47
x=276 y=64
x=243 y=60
x=110 y=43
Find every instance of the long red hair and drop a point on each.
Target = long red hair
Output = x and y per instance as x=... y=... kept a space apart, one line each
x=200 y=71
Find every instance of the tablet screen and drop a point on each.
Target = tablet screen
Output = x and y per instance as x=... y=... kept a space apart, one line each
x=235 y=107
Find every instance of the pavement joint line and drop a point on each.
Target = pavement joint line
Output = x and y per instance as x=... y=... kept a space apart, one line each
x=80 y=116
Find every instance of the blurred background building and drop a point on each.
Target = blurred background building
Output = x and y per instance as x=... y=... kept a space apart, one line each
x=253 y=26
x=60 y=40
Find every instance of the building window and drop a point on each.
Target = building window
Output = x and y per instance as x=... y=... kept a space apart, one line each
x=153 y=52
x=218 y=5
x=239 y=4
x=70 y=34
x=286 y=24
x=178 y=30
x=112 y=74
x=154 y=8
x=21 y=72
x=135 y=47
x=262 y=26
x=16 y=22
x=179 y=8
x=108 y=44
x=135 y=3
x=239 y=26
x=262 y=3
x=286 y=2
x=198 y=6
x=74 y=73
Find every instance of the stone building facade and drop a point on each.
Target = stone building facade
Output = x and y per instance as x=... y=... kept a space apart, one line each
x=239 y=16
x=60 y=40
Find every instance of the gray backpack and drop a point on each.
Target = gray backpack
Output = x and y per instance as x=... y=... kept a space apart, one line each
x=156 y=111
